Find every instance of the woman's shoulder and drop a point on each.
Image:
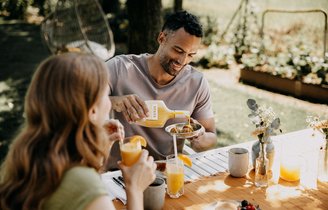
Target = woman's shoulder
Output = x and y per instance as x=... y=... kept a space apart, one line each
x=81 y=172
x=82 y=177
x=78 y=187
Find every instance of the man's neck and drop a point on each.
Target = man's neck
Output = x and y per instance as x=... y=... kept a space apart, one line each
x=157 y=72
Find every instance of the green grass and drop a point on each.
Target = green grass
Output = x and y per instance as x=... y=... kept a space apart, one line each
x=231 y=111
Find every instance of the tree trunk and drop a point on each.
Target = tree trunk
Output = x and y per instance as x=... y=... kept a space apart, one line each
x=110 y=6
x=178 y=5
x=145 y=21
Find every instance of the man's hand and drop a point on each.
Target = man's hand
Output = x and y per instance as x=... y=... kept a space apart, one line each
x=206 y=139
x=131 y=106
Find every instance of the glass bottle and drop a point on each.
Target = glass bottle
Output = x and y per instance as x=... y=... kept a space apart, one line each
x=159 y=114
x=323 y=160
x=269 y=151
x=262 y=167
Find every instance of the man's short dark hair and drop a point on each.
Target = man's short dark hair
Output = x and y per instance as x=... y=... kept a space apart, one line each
x=188 y=21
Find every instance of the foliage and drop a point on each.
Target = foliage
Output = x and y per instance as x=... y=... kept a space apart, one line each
x=119 y=24
x=16 y=8
x=264 y=119
x=11 y=112
x=211 y=30
x=246 y=32
x=295 y=64
x=216 y=56
x=285 y=53
x=320 y=125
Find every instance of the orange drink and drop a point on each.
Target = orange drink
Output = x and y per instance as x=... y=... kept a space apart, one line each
x=159 y=114
x=131 y=150
x=290 y=169
x=175 y=182
x=130 y=153
x=175 y=177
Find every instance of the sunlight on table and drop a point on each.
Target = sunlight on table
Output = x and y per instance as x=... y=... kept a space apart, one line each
x=219 y=186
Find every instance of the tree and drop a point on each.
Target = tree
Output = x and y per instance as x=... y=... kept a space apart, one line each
x=16 y=8
x=145 y=21
x=110 y=6
x=178 y=5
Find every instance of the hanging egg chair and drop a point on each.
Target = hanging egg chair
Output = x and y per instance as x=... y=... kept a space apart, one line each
x=80 y=26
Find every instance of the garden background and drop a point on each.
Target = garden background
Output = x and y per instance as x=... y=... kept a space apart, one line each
x=293 y=49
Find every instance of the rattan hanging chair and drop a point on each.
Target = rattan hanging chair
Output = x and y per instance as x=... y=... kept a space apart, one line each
x=78 y=25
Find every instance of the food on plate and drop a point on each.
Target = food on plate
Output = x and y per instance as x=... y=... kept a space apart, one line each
x=174 y=130
x=245 y=205
x=184 y=129
x=187 y=128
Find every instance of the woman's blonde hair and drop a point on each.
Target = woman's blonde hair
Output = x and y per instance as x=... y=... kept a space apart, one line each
x=57 y=133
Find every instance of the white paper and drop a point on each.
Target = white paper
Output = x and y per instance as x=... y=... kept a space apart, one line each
x=114 y=190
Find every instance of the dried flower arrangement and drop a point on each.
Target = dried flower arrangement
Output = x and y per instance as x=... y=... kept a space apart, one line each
x=264 y=119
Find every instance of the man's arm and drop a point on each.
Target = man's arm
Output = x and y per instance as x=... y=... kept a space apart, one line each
x=208 y=139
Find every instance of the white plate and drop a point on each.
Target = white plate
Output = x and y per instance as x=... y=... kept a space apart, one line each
x=196 y=127
x=223 y=204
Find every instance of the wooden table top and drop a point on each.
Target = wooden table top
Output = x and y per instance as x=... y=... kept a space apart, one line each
x=200 y=193
x=284 y=195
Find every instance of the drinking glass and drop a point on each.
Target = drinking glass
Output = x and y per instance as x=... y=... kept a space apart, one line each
x=130 y=152
x=290 y=167
x=175 y=177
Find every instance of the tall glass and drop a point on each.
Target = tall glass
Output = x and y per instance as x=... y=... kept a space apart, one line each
x=175 y=177
x=130 y=152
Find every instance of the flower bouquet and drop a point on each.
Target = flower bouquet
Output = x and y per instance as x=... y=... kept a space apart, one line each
x=266 y=124
x=322 y=126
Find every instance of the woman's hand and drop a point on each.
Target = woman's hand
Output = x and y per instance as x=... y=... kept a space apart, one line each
x=137 y=178
x=141 y=174
x=115 y=130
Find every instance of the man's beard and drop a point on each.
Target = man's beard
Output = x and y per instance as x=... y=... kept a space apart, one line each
x=168 y=69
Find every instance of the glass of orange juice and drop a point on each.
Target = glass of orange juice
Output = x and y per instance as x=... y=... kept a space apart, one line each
x=175 y=176
x=290 y=167
x=130 y=151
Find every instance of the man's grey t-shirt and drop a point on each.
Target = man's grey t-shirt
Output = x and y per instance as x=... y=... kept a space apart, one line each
x=189 y=90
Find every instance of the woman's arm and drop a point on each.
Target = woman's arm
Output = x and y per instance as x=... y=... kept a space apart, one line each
x=101 y=203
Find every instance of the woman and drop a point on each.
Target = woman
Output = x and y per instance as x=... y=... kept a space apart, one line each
x=54 y=160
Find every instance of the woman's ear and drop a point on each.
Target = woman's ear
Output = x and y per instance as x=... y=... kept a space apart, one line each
x=92 y=114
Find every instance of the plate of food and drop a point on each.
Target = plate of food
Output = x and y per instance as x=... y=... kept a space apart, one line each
x=231 y=205
x=185 y=130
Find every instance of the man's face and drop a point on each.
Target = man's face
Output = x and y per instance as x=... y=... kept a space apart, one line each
x=177 y=50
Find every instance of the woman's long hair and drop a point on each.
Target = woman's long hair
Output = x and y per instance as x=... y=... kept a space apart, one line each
x=57 y=133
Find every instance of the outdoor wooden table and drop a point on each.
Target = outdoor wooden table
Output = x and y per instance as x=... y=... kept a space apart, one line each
x=200 y=193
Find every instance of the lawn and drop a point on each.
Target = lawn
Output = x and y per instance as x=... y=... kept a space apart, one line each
x=231 y=114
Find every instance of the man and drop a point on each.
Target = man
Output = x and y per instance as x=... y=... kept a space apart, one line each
x=165 y=75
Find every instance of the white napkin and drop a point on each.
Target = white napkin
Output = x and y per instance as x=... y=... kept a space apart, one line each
x=114 y=190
